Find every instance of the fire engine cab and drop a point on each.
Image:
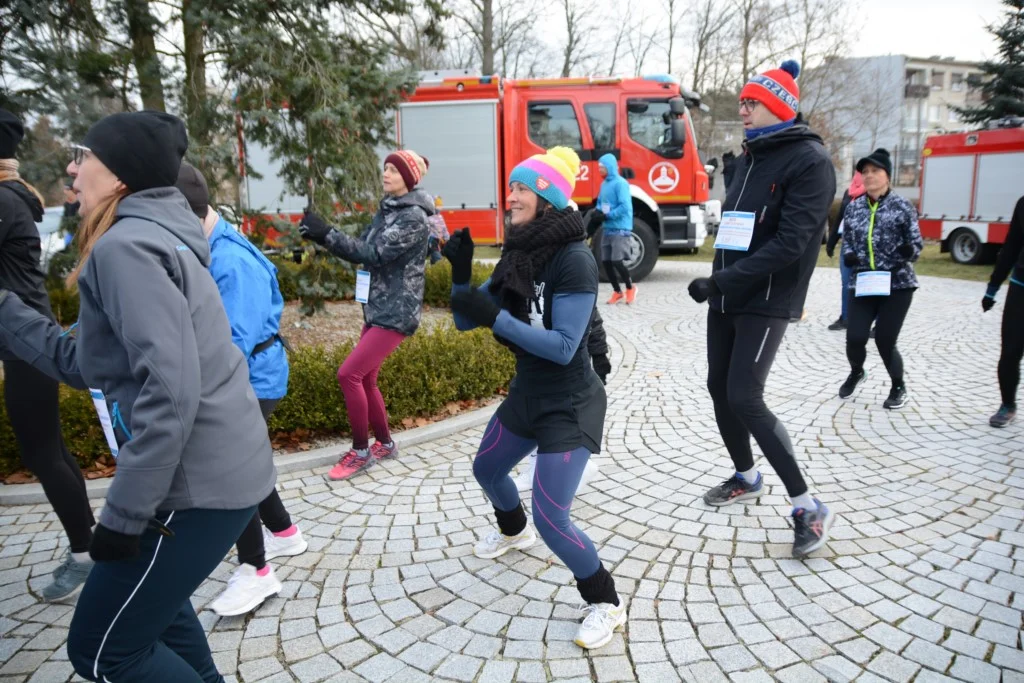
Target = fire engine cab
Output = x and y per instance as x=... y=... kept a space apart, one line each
x=475 y=129
x=970 y=183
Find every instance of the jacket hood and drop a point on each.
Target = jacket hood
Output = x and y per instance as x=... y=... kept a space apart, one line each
x=798 y=132
x=610 y=163
x=857 y=186
x=26 y=196
x=415 y=197
x=167 y=207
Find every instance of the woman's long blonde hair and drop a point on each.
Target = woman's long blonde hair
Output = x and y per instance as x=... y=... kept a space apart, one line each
x=93 y=227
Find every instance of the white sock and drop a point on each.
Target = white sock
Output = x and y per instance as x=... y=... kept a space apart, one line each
x=804 y=501
x=750 y=476
x=81 y=557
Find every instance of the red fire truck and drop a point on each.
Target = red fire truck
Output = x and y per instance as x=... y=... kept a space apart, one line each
x=475 y=129
x=970 y=183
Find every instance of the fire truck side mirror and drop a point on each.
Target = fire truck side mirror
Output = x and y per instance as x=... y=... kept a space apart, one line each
x=677 y=105
x=679 y=133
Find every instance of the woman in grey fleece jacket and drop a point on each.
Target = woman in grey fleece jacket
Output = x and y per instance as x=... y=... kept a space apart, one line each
x=172 y=391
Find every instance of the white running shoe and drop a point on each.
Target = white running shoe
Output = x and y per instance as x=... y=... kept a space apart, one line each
x=524 y=480
x=601 y=622
x=245 y=592
x=496 y=544
x=282 y=546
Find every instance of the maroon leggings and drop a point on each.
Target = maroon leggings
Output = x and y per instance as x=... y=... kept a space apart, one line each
x=358 y=379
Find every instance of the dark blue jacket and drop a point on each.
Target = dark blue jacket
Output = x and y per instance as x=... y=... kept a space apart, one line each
x=248 y=287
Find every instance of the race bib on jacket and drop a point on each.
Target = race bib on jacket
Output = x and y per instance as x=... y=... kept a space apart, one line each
x=363 y=286
x=874 y=283
x=100 y=401
x=735 y=231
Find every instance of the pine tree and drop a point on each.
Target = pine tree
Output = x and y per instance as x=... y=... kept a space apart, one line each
x=1002 y=88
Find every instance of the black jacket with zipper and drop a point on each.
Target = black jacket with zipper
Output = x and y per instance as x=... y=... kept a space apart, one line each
x=787 y=181
x=20 y=271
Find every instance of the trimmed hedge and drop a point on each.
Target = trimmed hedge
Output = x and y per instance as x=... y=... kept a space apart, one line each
x=428 y=371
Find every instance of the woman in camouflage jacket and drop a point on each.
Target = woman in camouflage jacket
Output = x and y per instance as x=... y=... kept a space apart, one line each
x=392 y=251
x=881 y=237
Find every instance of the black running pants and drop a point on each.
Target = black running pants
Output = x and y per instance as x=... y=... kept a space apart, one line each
x=889 y=312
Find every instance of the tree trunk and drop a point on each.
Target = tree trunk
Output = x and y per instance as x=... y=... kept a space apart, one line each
x=142 y=29
x=487 y=37
x=195 y=67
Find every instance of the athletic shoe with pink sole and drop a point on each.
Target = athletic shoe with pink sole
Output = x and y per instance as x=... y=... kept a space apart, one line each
x=351 y=463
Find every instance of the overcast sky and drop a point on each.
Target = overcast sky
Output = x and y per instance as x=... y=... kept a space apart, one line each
x=922 y=28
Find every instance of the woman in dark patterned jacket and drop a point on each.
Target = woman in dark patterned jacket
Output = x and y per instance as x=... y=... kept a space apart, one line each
x=393 y=252
x=881 y=240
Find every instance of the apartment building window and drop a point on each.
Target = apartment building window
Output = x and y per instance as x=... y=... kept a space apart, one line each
x=938 y=79
x=956 y=82
x=952 y=116
x=936 y=114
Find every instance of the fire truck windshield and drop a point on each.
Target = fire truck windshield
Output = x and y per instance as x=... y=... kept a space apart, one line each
x=646 y=122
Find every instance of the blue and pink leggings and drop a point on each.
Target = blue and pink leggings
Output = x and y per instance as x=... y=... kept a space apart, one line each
x=555 y=481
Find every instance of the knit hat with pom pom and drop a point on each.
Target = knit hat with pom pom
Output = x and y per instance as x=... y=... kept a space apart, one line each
x=551 y=175
x=777 y=90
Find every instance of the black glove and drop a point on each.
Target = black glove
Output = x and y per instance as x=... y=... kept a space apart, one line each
x=314 y=228
x=602 y=366
x=111 y=546
x=459 y=252
x=906 y=251
x=477 y=306
x=596 y=221
x=987 y=302
x=702 y=289
x=850 y=259
x=830 y=251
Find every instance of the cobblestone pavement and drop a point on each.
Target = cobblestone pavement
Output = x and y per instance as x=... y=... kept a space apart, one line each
x=923 y=581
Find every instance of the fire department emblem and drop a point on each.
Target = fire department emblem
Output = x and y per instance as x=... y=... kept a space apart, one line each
x=663 y=177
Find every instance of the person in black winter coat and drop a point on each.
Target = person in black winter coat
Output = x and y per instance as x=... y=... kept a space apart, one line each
x=766 y=250
x=1009 y=264
x=728 y=168
x=30 y=396
x=835 y=232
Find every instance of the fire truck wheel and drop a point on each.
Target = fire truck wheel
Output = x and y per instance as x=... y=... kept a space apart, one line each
x=965 y=247
x=643 y=254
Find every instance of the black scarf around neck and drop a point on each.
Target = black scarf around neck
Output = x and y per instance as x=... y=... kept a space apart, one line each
x=527 y=250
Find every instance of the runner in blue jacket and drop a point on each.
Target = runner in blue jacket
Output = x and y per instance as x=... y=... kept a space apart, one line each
x=615 y=206
x=247 y=282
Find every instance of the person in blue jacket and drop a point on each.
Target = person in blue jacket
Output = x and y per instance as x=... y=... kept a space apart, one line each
x=615 y=214
x=247 y=282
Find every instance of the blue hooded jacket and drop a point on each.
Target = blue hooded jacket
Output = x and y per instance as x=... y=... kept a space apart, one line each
x=248 y=287
x=614 y=199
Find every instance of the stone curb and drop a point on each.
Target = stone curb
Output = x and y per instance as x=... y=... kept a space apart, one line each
x=32 y=494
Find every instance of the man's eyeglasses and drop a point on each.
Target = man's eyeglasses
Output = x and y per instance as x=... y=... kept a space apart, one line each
x=78 y=153
x=748 y=105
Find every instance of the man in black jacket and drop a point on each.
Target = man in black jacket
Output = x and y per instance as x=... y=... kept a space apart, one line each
x=767 y=247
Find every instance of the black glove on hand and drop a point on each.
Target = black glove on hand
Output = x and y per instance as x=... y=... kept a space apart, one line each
x=477 y=306
x=830 y=251
x=906 y=251
x=111 y=546
x=702 y=289
x=602 y=366
x=987 y=302
x=314 y=228
x=596 y=221
x=850 y=259
x=459 y=252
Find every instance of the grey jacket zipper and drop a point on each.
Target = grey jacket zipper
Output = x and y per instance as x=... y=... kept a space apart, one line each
x=734 y=207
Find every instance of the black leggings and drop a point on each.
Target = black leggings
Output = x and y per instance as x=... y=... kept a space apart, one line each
x=889 y=312
x=616 y=270
x=271 y=513
x=741 y=350
x=34 y=410
x=1013 y=344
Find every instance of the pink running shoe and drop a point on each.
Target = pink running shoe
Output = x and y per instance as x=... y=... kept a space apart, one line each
x=381 y=451
x=349 y=464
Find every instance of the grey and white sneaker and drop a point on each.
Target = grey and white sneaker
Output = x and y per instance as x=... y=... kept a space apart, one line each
x=496 y=544
x=67 y=578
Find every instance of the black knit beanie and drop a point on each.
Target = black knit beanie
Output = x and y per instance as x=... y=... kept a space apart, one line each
x=192 y=184
x=142 y=148
x=11 y=133
x=880 y=158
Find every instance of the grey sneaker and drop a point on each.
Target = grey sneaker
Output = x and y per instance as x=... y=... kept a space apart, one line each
x=67 y=578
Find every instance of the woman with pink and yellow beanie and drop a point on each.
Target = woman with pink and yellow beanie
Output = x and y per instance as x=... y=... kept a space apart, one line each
x=539 y=303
